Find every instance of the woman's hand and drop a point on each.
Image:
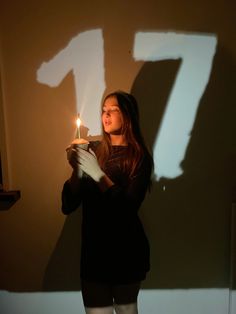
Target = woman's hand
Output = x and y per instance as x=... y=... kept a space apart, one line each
x=72 y=157
x=89 y=164
x=86 y=161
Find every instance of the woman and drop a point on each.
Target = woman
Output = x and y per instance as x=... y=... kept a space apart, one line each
x=117 y=172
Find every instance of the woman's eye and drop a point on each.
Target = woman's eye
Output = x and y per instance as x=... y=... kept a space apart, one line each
x=110 y=111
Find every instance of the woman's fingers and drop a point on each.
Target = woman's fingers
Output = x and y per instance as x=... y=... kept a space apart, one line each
x=72 y=156
x=92 y=152
x=84 y=155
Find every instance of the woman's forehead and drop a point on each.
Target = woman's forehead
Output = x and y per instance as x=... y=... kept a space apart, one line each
x=111 y=102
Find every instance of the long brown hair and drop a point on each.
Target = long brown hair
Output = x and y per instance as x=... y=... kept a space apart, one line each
x=131 y=131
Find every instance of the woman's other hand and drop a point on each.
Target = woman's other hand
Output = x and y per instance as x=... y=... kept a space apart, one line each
x=89 y=164
x=73 y=159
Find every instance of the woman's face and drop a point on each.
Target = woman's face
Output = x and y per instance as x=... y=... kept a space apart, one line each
x=112 y=119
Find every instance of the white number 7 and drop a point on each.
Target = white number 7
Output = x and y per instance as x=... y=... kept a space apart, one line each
x=196 y=52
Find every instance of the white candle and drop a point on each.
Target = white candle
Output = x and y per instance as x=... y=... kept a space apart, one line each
x=78 y=122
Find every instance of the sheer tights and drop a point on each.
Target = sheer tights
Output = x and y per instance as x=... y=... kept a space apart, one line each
x=119 y=309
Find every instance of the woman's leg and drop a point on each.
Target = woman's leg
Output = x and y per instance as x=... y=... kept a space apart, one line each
x=125 y=298
x=97 y=297
x=126 y=308
x=99 y=310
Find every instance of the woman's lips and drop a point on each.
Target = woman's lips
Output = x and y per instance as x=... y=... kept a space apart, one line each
x=107 y=123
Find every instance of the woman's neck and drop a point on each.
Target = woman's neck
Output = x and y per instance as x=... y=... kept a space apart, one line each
x=118 y=140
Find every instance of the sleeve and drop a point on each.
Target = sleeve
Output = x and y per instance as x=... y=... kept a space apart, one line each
x=70 y=201
x=130 y=197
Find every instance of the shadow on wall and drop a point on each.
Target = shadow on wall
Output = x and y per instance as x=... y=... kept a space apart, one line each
x=187 y=219
x=63 y=270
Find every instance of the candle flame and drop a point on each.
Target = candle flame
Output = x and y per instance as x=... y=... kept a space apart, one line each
x=78 y=122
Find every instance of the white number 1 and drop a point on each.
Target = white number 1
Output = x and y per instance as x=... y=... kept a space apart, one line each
x=84 y=56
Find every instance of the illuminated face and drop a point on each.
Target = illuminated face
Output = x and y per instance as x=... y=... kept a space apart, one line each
x=112 y=117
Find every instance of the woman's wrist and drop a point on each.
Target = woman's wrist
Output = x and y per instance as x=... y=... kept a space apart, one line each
x=97 y=176
x=105 y=182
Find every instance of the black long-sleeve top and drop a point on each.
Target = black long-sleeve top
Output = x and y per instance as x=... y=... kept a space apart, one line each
x=114 y=245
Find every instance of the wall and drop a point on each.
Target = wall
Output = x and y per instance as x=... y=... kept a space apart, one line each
x=187 y=216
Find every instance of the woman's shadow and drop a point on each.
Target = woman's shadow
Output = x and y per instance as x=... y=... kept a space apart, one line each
x=63 y=270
